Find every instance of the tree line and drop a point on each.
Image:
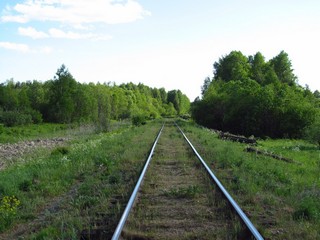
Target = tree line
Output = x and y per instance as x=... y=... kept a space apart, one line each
x=252 y=96
x=64 y=100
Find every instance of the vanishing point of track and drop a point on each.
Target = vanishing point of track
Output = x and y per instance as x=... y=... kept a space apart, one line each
x=175 y=199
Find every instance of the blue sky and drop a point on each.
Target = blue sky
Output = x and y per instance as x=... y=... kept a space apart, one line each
x=168 y=43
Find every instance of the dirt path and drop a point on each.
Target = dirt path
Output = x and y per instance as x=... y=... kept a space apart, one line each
x=177 y=200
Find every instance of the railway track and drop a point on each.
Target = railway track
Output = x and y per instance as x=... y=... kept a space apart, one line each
x=178 y=197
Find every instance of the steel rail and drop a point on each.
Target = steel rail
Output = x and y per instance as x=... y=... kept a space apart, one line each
x=235 y=206
x=128 y=208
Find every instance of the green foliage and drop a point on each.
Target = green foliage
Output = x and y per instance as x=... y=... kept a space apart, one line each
x=252 y=97
x=283 y=68
x=312 y=132
x=180 y=101
x=63 y=100
x=258 y=66
x=139 y=120
x=205 y=86
x=15 y=118
x=234 y=66
x=1 y=128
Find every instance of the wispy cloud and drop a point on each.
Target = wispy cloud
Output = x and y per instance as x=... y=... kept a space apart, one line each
x=24 y=48
x=15 y=46
x=31 y=32
x=58 y=33
x=76 y=12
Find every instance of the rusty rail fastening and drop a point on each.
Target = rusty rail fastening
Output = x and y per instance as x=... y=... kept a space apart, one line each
x=235 y=206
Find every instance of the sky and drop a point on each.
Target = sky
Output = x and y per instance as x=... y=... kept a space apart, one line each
x=168 y=43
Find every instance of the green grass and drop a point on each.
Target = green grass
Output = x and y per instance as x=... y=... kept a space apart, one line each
x=18 y=133
x=68 y=189
x=70 y=185
x=281 y=198
x=190 y=192
x=50 y=130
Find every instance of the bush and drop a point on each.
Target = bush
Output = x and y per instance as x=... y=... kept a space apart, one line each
x=36 y=116
x=139 y=120
x=1 y=128
x=312 y=133
x=14 y=118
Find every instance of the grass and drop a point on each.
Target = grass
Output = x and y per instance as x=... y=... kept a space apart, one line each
x=19 y=133
x=281 y=198
x=62 y=192
x=50 y=130
x=190 y=192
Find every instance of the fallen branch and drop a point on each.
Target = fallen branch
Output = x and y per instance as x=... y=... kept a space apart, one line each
x=237 y=138
x=265 y=153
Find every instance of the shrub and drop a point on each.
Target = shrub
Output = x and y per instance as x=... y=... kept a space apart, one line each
x=1 y=128
x=312 y=133
x=36 y=116
x=15 y=118
x=139 y=120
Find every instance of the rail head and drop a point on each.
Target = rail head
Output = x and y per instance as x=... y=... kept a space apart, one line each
x=133 y=196
x=255 y=233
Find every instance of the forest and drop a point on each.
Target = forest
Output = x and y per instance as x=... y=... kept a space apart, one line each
x=252 y=96
x=247 y=95
x=64 y=100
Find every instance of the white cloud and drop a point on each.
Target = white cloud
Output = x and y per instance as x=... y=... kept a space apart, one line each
x=76 y=12
x=20 y=47
x=15 y=46
x=58 y=33
x=31 y=32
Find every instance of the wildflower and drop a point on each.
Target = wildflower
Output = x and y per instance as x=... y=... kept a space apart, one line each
x=9 y=205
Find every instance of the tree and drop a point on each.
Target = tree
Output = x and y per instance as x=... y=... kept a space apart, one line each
x=258 y=67
x=61 y=101
x=234 y=66
x=174 y=99
x=205 y=86
x=312 y=132
x=9 y=96
x=283 y=68
x=265 y=105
